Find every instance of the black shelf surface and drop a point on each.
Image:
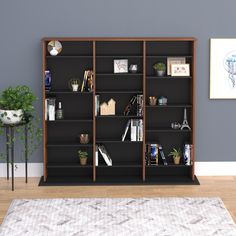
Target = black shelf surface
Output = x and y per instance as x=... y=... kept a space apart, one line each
x=168 y=130
x=119 y=116
x=119 y=166
x=111 y=180
x=120 y=91
x=66 y=91
x=118 y=141
x=165 y=56
x=171 y=106
x=119 y=56
x=169 y=166
x=70 y=120
x=69 y=145
x=151 y=77
x=119 y=74
x=69 y=57
x=67 y=165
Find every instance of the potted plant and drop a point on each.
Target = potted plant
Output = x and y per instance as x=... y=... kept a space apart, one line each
x=176 y=155
x=83 y=157
x=16 y=104
x=160 y=68
x=74 y=84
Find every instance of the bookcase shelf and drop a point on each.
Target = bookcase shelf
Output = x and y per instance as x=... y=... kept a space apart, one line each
x=170 y=78
x=61 y=143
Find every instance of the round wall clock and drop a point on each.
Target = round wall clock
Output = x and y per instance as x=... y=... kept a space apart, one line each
x=54 y=48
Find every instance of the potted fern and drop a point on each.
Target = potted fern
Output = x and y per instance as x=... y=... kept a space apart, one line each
x=83 y=157
x=160 y=68
x=176 y=154
x=16 y=105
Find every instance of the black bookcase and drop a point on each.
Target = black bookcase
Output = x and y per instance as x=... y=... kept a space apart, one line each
x=61 y=162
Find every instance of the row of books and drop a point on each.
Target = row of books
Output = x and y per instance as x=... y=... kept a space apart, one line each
x=153 y=152
x=136 y=130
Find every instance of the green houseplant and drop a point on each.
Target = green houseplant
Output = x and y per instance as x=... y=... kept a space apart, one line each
x=176 y=153
x=16 y=106
x=83 y=156
x=160 y=68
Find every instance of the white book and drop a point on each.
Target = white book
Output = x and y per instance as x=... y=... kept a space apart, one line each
x=140 y=130
x=96 y=156
x=46 y=109
x=126 y=130
x=133 y=130
x=105 y=155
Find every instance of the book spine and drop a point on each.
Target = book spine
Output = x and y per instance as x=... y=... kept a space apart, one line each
x=46 y=109
x=105 y=155
x=132 y=130
x=141 y=130
x=96 y=156
x=126 y=130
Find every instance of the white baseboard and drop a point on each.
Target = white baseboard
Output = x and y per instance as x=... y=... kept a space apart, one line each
x=201 y=169
x=34 y=169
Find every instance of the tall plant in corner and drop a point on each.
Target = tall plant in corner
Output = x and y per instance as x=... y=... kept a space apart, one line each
x=16 y=107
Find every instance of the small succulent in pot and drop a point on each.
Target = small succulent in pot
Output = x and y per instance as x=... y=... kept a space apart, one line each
x=16 y=104
x=160 y=68
x=83 y=156
x=176 y=153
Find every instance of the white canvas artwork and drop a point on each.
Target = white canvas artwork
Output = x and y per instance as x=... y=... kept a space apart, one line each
x=223 y=69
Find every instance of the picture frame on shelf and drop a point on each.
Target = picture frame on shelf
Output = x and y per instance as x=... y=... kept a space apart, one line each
x=120 y=66
x=223 y=68
x=174 y=60
x=180 y=70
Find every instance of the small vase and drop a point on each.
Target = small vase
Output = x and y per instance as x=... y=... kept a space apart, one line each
x=75 y=87
x=83 y=161
x=152 y=101
x=84 y=138
x=160 y=73
x=176 y=160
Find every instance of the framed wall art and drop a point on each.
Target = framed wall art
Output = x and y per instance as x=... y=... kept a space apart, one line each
x=174 y=60
x=180 y=70
x=223 y=68
x=121 y=66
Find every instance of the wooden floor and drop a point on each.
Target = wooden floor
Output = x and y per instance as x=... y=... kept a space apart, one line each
x=224 y=187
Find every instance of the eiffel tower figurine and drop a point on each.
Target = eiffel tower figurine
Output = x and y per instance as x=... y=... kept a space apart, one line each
x=185 y=121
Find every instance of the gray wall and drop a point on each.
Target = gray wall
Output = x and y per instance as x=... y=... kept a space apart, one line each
x=23 y=23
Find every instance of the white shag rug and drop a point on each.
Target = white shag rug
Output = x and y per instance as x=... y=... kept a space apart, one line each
x=118 y=216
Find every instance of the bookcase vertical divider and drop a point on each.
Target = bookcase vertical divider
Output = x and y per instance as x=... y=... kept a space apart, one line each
x=43 y=106
x=193 y=108
x=94 y=118
x=144 y=111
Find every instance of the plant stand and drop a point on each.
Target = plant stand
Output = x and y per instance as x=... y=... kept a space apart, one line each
x=10 y=135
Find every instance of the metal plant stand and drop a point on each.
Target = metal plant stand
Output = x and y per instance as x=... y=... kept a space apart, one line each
x=10 y=135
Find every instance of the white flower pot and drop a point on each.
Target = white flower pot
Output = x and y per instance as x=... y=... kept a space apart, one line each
x=11 y=117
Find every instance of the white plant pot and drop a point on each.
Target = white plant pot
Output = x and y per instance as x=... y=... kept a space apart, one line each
x=11 y=117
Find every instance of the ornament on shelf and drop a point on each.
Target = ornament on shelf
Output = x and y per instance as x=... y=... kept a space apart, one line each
x=54 y=47
x=185 y=121
x=108 y=108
